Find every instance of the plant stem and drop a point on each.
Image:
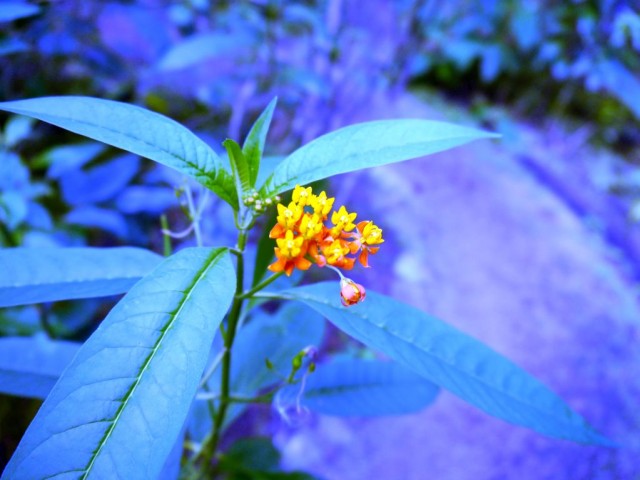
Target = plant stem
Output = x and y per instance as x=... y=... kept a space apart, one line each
x=166 y=239
x=261 y=285
x=195 y=215
x=211 y=443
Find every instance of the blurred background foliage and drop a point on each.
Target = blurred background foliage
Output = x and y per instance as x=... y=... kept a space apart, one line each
x=214 y=65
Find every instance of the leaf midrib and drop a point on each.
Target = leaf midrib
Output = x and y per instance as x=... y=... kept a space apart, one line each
x=211 y=261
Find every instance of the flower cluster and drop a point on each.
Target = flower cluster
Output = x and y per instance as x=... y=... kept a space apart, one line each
x=304 y=235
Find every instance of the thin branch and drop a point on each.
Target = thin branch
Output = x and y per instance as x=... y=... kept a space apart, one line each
x=261 y=285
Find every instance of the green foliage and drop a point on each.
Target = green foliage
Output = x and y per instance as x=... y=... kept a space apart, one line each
x=577 y=59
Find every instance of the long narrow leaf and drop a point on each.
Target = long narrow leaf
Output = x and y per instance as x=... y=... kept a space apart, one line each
x=360 y=388
x=118 y=408
x=34 y=275
x=253 y=147
x=451 y=359
x=134 y=129
x=30 y=366
x=204 y=47
x=367 y=145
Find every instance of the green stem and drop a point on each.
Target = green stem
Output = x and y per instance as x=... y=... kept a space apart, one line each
x=261 y=285
x=194 y=215
x=211 y=443
x=43 y=314
x=166 y=239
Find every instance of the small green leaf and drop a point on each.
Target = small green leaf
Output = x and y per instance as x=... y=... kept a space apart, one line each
x=265 y=248
x=253 y=147
x=226 y=188
x=365 y=145
x=239 y=167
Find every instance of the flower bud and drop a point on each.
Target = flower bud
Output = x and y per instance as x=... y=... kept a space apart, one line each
x=296 y=363
x=310 y=352
x=351 y=292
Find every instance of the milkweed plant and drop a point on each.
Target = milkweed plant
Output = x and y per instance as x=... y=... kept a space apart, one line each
x=202 y=333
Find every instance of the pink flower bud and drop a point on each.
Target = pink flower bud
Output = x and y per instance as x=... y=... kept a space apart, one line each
x=351 y=292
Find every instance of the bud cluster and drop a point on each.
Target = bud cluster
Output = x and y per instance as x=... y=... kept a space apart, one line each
x=256 y=203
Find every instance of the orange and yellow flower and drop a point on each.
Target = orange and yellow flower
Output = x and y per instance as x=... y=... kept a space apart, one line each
x=303 y=237
x=290 y=253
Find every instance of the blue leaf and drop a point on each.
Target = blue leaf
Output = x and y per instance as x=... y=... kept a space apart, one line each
x=13 y=208
x=622 y=84
x=16 y=130
x=146 y=199
x=360 y=388
x=450 y=359
x=202 y=47
x=33 y=275
x=367 y=145
x=65 y=158
x=136 y=32
x=38 y=217
x=118 y=409
x=99 y=183
x=14 y=175
x=10 y=11
x=134 y=129
x=12 y=45
x=492 y=59
x=20 y=321
x=89 y=216
x=30 y=366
